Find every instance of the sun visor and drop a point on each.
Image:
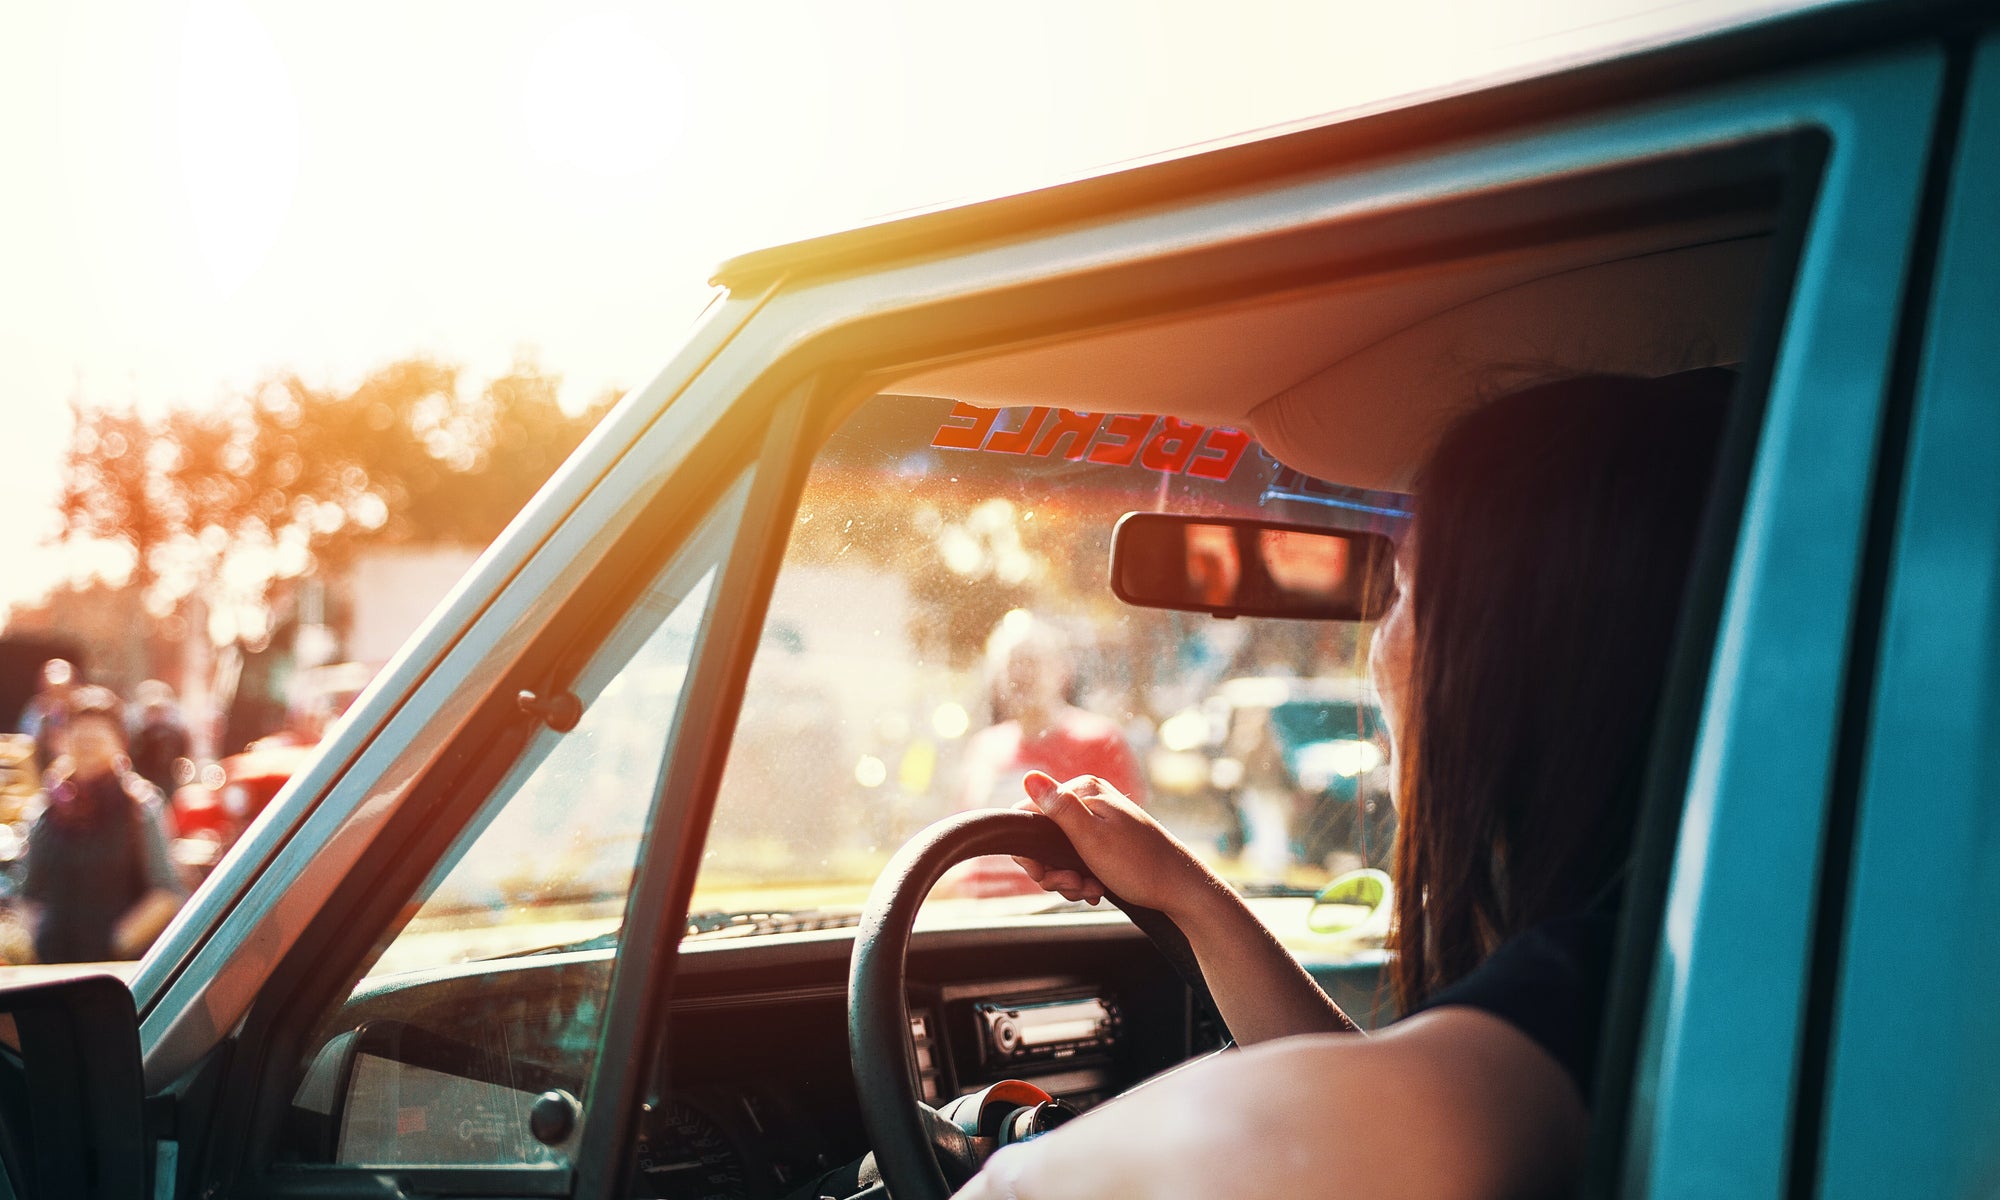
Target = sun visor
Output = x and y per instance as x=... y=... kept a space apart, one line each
x=1369 y=419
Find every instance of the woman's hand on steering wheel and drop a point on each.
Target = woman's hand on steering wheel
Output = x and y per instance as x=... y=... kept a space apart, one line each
x=1123 y=848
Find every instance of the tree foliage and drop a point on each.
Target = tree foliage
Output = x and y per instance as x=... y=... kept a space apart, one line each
x=291 y=478
x=107 y=622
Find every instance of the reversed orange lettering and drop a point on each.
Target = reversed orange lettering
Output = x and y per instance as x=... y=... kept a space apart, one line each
x=1219 y=452
x=1017 y=441
x=1172 y=446
x=1128 y=430
x=1071 y=424
x=965 y=437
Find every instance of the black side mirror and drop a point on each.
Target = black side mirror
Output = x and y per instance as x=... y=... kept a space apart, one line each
x=530 y=1107
x=72 y=1097
x=1244 y=567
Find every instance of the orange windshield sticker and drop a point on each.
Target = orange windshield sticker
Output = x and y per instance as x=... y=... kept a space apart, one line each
x=954 y=436
x=1165 y=444
x=1220 y=451
x=1017 y=441
x=1072 y=426
x=1171 y=448
x=1118 y=441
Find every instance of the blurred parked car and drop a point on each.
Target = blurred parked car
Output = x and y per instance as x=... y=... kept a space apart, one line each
x=1319 y=742
x=225 y=797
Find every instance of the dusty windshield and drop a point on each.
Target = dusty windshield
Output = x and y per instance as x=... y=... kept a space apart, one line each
x=943 y=623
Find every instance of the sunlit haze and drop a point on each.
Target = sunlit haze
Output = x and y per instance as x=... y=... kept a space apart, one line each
x=198 y=194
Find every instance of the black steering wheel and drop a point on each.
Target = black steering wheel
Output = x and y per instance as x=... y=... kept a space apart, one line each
x=878 y=1016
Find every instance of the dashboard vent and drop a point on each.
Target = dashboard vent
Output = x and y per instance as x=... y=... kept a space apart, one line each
x=924 y=1054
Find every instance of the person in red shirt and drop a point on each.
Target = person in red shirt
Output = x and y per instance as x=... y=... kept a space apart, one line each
x=1036 y=728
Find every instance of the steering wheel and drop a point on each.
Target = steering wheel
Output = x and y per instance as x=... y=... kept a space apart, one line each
x=899 y=1127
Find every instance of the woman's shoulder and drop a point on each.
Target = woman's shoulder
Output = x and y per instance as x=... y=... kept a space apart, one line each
x=1549 y=982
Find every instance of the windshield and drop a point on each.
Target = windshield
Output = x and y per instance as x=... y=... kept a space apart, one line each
x=943 y=623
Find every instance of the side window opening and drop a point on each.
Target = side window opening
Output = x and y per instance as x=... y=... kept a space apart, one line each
x=441 y=1053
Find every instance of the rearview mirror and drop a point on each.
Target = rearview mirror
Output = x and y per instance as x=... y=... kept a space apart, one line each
x=71 y=1094
x=1244 y=567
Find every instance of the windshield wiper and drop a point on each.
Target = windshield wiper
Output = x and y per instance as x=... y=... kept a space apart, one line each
x=1249 y=891
x=721 y=923
x=603 y=941
x=718 y=923
x=1266 y=891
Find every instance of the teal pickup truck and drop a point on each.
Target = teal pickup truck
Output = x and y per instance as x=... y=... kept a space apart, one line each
x=564 y=907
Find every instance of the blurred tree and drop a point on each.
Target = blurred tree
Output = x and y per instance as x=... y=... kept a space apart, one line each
x=108 y=619
x=291 y=479
x=111 y=485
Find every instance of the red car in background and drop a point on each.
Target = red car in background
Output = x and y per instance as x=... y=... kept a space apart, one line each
x=226 y=796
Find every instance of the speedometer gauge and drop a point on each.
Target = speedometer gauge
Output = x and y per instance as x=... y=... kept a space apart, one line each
x=684 y=1155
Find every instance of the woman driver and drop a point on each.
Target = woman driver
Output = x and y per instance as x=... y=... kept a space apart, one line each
x=1520 y=670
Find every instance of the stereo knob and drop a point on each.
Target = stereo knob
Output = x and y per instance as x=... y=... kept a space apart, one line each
x=1006 y=1035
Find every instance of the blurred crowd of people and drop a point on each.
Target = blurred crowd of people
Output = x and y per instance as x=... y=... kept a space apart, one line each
x=95 y=879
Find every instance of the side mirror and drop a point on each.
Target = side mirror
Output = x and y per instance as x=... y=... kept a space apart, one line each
x=1357 y=904
x=72 y=1096
x=529 y=1109
x=1243 y=567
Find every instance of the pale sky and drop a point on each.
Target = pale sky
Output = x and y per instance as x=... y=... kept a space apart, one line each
x=198 y=192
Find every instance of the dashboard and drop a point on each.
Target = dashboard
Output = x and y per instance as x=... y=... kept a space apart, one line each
x=485 y=1064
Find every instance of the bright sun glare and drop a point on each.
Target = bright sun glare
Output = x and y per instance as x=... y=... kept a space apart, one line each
x=239 y=138
x=602 y=98
x=203 y=192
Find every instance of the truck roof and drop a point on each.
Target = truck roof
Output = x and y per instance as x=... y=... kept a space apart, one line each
x=1619 y=74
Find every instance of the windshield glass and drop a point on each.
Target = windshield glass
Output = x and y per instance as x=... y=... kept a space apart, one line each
x=943 y=623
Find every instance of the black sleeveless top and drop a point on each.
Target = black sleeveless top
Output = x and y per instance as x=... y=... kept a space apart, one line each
x=1551 y=984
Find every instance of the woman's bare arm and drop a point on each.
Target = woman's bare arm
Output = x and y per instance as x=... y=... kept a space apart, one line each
x=1450 y=1103
x=1259 y=987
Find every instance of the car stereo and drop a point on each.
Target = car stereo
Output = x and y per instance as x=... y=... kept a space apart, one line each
x=1040 y=1030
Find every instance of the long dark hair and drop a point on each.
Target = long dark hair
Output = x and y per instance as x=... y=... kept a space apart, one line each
x=1554 y=531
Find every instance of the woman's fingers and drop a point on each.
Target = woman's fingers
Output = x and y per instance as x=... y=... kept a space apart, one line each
x=1073 y=885
x=1066 y=882
x=1044 y=795
x=1110 y=833
x=1053 y=800
x=1122 y=848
